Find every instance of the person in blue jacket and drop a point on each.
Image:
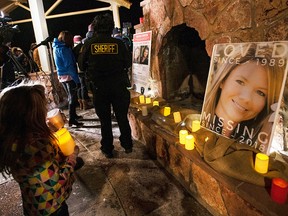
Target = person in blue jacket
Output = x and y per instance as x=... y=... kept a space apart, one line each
x=67 y=72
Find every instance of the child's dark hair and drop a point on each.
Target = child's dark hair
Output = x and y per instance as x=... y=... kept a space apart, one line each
x=23 y=111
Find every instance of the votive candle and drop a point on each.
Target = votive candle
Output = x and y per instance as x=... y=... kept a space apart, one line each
x=65 y=141
x=148 y=100
x=195 y=125
x=189 y=142
x=155 y=103
x=261 y=163
x=144 y=111
x=167 y=111
x=279 y=190
x=142 y=99
x=177 y=117
x=182 y=136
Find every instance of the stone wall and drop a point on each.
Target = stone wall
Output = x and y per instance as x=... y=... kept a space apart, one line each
x=216 y=21
x=220 y=194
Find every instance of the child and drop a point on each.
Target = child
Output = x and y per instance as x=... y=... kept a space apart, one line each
x=28 y=151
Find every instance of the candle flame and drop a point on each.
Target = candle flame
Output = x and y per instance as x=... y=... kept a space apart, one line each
x=206 y=139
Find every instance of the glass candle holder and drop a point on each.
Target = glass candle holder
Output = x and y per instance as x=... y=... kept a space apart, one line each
x=65 y=141
x=54 y=117
x=182 y=136
x=279 y=190
x=189 y=142
x=261 y=163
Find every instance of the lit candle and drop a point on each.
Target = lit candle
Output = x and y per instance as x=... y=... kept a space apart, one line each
x=144 y=111
x=148 y=100
x=65 y=141
x=167 y=111
x=142 y=99
x=195 y=125
x=177 y=117
x=182 y=136
x=155 y=103
x=261 y=163
x=279 y=190
x=55 y=118
x=189 y=142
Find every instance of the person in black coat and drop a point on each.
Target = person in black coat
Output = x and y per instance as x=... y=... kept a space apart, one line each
x=106 y=59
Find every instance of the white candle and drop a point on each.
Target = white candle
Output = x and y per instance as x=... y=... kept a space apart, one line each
x=182 y=136
x=189 y=142
x=195 y=125
x=144 y=111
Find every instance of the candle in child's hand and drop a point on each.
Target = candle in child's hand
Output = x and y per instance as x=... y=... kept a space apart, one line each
x=177 y=117
x=195 y=125
x=261 y=163
x=65 y=141
x=182 y=136
x=148 y=100
x=167 y=111
x=155 y=103
x=142 y=99
x=189 y=142
x=279 y=190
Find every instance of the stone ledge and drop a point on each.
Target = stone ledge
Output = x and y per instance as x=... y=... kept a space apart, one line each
x=220 y=194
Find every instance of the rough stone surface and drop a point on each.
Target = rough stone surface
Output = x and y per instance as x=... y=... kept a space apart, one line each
x=216 y=21
x=208 y=189
x=179 y=164
x=221 y=194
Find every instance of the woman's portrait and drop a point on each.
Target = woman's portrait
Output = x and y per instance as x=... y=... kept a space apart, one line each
x=144 y=55
x=136 y=56
x=246 y=82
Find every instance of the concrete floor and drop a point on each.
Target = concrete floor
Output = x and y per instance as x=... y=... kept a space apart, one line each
x=127 y=185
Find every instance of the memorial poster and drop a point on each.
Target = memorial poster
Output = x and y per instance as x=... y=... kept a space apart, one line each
x=141 y=61
x=244 y=91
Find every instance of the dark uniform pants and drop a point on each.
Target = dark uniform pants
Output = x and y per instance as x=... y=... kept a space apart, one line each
x=116 y=94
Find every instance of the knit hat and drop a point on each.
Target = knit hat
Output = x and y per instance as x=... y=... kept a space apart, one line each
x=77 y=39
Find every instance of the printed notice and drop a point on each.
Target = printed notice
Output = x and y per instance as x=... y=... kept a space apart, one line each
x=244 y=91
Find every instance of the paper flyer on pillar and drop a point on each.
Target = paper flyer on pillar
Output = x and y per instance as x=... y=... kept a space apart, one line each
x=244 y=91
x=141 y=61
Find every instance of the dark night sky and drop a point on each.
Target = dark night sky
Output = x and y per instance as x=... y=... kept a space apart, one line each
x=77 y=24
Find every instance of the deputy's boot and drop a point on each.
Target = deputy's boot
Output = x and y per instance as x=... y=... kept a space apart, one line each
x=81 y=106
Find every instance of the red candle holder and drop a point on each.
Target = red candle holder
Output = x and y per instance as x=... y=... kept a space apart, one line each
x=279 y=190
